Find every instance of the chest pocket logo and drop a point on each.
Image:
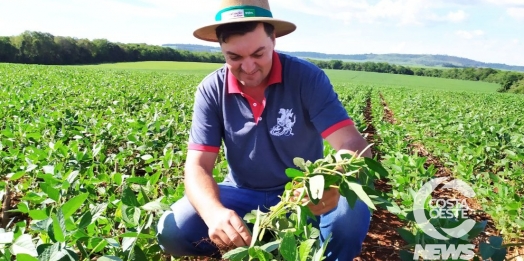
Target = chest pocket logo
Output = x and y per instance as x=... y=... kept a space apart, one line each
x=285 y=123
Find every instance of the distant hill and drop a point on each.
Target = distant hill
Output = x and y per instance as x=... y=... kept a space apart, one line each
x=400 y=59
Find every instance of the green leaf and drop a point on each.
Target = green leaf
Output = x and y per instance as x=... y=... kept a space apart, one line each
x=331 y=180
x=86 y=220
x=305 y=248
x=357 y=188
x=23 y=207
x=377 y=167
x=24 y=245
x=271 y=246
x=127 y=242
x=314 y=200
x=49 y=169
x=477 y=229
x=288 y=248
x=131 y=215
x=117 y=178
x=499 y=255
x=25 y=257
x=135 y=234
x=293 y=173
x=349 y=194
x=495 y=241
x=6 y=237
x=53 y=193
x=486 y=250
x=256 y=229
x=17 y=175
x=138 y=254
x=146 y=157
x=96 y=244
x=59 y=226
x=109 y=258
x=380 y=199
x=407 y=235
x=299 y=162
x=81 y=248
x=236 y=254
x=155 y=206
x=406 y=255
x=154 y=178
x=256 y=252
x=97 y=211
x=137 y=180
x=129 y=198
x=57 y=252
x=72 y=205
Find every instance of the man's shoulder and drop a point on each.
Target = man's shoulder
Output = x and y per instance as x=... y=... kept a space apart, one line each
x=214 y=79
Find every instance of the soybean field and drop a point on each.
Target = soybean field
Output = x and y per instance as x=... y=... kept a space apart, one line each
x=91 y=156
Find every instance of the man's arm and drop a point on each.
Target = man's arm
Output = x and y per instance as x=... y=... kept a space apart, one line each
x=201 y=188
x=349 y=140
x=344 y=140
x=225 y=226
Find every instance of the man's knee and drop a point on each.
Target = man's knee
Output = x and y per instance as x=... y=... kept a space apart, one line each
x=181 y=232
x=348 y=228
x=170 y=238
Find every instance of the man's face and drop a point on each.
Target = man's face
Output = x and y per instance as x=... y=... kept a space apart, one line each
x=249 y=56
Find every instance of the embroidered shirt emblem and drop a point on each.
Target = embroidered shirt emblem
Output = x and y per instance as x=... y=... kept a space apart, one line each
x=284 y=123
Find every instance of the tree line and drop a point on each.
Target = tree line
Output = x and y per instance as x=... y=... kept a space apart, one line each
x=509 y=81
x=43 y=48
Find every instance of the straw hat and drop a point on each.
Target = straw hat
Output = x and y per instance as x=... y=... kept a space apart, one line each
x=235 y=11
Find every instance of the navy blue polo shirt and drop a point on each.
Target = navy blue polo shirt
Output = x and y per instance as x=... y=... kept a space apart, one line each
x=261 y=140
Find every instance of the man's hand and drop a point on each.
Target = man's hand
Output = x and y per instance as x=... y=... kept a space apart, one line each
x=226 y=229
x=327 y=203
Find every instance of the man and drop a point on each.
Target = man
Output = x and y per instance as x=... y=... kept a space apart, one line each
x=267 y=108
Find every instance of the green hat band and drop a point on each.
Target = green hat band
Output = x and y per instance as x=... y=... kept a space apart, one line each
x=241 y=11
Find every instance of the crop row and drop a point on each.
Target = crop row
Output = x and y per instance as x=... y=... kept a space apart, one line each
x=89 y=160
x=479 y=137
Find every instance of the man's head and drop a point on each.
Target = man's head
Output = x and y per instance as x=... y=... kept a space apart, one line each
x=248 y=50
x=240 y=11
x=224 y=31
x=246 y=31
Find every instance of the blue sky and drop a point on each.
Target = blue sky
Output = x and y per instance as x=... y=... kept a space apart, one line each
x=483 y=30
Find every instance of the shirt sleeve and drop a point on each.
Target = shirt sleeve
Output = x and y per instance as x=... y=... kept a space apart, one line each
x=206 y=131
x=325 y=109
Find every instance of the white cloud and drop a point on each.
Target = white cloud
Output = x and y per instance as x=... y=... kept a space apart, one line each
x=186 y=7
x=469 y=34
x=457 y=16
x=516 y=12
x=506 y=2
x=452 y=17
x=399 y=12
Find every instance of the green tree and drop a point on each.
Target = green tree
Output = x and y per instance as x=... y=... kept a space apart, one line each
x=8 y=52
x=517 y=87
x=335 y=64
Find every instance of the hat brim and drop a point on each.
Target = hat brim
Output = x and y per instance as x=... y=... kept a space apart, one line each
x=208 y=33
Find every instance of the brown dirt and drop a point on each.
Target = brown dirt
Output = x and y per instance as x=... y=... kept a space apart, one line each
x=382 y=241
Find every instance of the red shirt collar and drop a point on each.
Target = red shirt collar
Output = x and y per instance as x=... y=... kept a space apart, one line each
x=275 y=76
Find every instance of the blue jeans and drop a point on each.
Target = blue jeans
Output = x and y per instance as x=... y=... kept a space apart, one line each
x=181 y=232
